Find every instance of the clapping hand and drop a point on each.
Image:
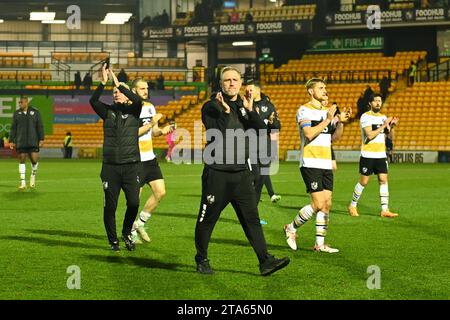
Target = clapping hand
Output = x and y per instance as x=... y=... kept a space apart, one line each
x=248 y=99
x=105 y=75
x=345 y=115
x=222 y=102
x=393 y=122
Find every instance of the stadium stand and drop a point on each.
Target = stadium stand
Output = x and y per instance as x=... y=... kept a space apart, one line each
x=424 y=103
x=293 y=12
x=16 y=59
x=343 y=67
x=296 y=12
x=79 y=57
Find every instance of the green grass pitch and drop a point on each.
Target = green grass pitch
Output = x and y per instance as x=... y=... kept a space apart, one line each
x=60 y=224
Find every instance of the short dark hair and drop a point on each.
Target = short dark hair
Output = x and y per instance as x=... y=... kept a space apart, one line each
x=23 y=97
x=374 y=95
x=253 y=82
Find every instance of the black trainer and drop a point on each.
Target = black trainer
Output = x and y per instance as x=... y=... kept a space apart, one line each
x=129 y=243
x=272 y=264
x=115 y=246
x=203 y=267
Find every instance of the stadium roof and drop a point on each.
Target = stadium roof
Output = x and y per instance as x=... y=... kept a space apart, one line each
x=90 y=10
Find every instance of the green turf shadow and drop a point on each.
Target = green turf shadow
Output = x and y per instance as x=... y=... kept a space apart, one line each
x=52 y=242
x=18 y=195
x=65 y=233
x=142 y=262
x=192 y=216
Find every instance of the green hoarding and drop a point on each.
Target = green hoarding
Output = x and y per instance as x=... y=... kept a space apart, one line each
x=348 y=43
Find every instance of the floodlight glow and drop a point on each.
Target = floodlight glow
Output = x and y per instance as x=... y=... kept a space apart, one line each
x=54 y=21
x=242 y=43
x=40 y=16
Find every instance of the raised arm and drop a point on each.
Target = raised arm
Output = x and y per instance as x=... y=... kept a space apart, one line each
x=136 y=102
x=99 y=107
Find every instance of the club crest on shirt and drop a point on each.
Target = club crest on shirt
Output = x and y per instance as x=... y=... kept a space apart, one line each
x=124 y=116
x=210 y=198
x=314 y=185
x=32 y=113
x=264 y=109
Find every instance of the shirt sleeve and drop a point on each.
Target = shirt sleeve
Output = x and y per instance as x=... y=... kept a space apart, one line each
x=40 y=127
x=134 y=98
x=302 y=115
x=99 y=107
x=365 y=121
x=12 y=134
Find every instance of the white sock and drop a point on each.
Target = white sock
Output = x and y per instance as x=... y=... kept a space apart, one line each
x=384 y=197
x=22 y=170
x=143 y=217
x=34 y=168
x=302 y=217
x=321 y=227
x=359 y=188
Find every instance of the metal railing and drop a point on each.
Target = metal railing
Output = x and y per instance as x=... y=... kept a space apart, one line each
x=61 y=67
x=439 y=72
x=330 y=76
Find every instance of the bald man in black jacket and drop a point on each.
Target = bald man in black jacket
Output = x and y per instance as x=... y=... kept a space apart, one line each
x=226 y=176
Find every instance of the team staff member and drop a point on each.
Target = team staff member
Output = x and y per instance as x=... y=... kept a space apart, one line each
x=150 y=172
x=316 y=123
x=226 y=177
x=374 y=127
x=68 y=146
x=27 y=135
x=120 y=169
x=268 y=113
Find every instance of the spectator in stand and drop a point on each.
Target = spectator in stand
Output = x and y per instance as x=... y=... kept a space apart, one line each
x=234 y=16
x=362 y=107
x=385 y=84
x=424 y=4
x=87 y=81
x=165 y=21
x=412 y=73
x=122 y=76
x=248 y=17
x=160 y=82
x=77 y=80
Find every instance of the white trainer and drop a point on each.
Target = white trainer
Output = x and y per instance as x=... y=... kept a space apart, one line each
x=32 y=181
x=291 y=237
x=325 y=248
x=275 y=198
x=141 y=231
x=135 y=237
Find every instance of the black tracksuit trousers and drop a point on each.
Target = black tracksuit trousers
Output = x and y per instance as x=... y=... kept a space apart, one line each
x=218 y=189
x=261 y=178
x=114 y=178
